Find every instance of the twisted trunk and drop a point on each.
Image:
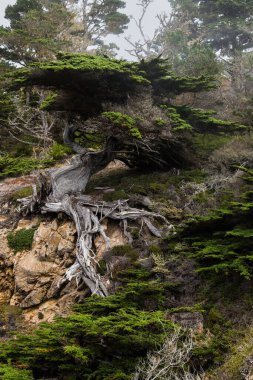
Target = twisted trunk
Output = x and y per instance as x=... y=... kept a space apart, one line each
x=63 y=193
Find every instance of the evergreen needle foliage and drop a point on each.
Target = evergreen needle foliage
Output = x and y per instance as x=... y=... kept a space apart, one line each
x=102 y=339
x=222 y=241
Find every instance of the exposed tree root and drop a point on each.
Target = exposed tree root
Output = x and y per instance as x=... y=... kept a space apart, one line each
x=88 y=217
x=60 y=191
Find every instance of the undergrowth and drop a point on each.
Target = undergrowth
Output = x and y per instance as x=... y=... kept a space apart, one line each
x=21 y=240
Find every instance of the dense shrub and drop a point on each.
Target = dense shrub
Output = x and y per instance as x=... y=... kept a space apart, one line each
x=22 y=193
x=21 y=240
x=14 y=166
x=59 y=151
x=222 y=241
x=8 y=372
x=238 y=151
x=102 y=339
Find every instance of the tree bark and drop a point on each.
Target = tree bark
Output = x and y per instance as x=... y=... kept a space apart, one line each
x=63 y=192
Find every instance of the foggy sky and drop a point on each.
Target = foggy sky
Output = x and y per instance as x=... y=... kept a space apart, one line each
x=132 y=8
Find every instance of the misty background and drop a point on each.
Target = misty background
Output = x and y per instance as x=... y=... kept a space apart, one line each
x=132 y=9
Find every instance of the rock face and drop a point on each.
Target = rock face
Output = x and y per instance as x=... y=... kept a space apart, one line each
x=38 y=271
x=29 y=279
x=6 y=268
x=116 y=238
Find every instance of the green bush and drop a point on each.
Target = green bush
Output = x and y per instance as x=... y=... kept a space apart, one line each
x=206 y=143
x=114 y=196
x=125 y=250
x=22 y=193
x=15 y=166
x=103 y=339
x=222 y=241
x=8 y=372
x=59 y=151
x=21 y=240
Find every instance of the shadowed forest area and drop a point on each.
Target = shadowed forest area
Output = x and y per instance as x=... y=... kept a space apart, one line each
x=126 y=191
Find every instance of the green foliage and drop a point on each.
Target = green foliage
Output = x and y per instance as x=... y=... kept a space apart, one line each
x=216 y=341
x=222 y=24
x=137 y=182
x=90 y=64
x=199 y=59
x=45 y=105
x=34 y=31
x=222 y=241
x=15 y=12
x=192 y=309
x=187 y=58
x=98 y=70
x=125 y=121
x=22 y=193
x=15 y=166
x=125 y=250
x=165 y=82
x=100 y=19
x=21 y=240
x=72 y=346
x=90 y=140
x=160 y=122
x=21 y=165
x=59 y=151
x=7 y=372
x=241 y=351
x=210 y=133
x=204 y=122
x=178 y=124
x=206 y=143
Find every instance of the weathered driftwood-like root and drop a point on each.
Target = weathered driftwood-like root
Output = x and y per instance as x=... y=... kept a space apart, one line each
x=41 y=189
x=59 y=190
x=88 y=217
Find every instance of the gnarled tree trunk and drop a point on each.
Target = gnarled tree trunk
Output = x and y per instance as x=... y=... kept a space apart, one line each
x=62 y=192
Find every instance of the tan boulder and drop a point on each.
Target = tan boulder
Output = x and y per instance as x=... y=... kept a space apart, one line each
x=114 y=232
x=37 y=272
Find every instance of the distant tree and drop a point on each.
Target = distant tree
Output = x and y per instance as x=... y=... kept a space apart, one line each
x=225 y=25
x=147 y=46
x=36 y=31
x=14 y=13
x=95 y=20
x=186 y=56
x=173 y=39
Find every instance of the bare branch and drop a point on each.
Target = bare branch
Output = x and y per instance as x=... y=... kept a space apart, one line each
x=170 y=360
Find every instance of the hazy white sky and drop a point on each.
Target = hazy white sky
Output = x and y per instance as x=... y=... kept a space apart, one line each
x=132 y=8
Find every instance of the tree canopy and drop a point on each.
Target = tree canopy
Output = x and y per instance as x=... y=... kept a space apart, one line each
x=36 y=31
x=225 y=25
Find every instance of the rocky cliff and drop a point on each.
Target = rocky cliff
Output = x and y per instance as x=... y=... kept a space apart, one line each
x=30 y=279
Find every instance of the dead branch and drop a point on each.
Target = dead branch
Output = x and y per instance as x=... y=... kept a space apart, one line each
x=170 y=360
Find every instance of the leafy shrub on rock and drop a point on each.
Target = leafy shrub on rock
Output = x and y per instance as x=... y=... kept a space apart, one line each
x=21 y=240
